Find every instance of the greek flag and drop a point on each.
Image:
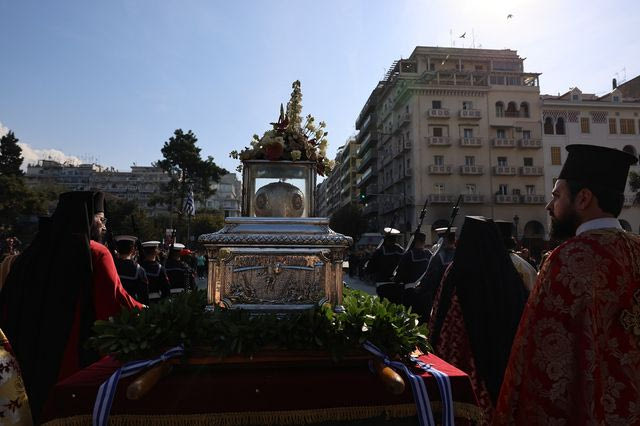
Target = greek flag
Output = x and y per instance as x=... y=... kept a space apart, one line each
x=189 y=204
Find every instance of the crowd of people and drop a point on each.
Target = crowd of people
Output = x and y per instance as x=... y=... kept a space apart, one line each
x=556 y=346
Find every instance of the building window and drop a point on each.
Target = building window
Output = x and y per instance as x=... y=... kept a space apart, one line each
x=469 y=160
x=471 y=188
x=468 y=133
x=612 y=126
x=500 y=134
x=432 y=66
x=555 y=156
x=466 y=105
x=436 y=104
x=548 y=126
x=438 y=188
x=524 y=110
x=526 y=134
x=502 y=161
x=627 y=126
x=616 y=99
x=531 y=189
x=478 y=67
x=437 y=132
x=560 y=126
x=528 y=161
x=503 y=189
x=584 y=124
x=512 y=110
x=499 y=109
x=438 y=160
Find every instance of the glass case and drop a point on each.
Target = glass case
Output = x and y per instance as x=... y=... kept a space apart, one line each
x=278 y=188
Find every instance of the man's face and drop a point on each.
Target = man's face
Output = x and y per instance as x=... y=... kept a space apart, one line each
x=564 y=217
x=98 y=227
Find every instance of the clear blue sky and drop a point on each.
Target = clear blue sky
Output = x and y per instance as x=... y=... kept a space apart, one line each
x=114 y=79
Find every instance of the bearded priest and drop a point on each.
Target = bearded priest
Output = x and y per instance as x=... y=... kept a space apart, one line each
x=576 y=355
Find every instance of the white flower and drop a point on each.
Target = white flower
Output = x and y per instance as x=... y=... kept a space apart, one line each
x=295 y=155
x=279 y=140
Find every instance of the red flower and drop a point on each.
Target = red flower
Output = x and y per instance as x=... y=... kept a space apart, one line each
x=273 y=151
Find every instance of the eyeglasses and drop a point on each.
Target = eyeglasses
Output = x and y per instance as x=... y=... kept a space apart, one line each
x=102 y=220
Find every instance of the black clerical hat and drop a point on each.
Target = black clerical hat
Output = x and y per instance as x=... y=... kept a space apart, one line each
x=597 y=165
x=98 y=202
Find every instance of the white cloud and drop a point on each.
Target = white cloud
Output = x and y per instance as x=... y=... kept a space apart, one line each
x=31 y=155
x=3 y=130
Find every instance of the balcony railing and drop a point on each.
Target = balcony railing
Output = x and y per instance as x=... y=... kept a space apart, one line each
x=470 y=113
x=507 y=199
x=438 y=113
x=504 y=171
x=441 y=198
x=530 y=143
x=504 y=143
x=531 y=171
x=472 y=142
x=435 y=169
x=471 y=170
x=533 y=199
x=438 y=140
x=405 y=118
x=363 y=177
x=366 y=159
x=473 y=198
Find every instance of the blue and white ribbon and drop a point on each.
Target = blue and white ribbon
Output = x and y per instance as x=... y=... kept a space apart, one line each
x=425 y=414
x=107 y=390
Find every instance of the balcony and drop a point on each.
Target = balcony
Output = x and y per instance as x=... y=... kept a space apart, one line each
x=404 y=119
x=364 y=143
x=504 y=171
x=471 y=170
x=470 y=113
x=438 y=113
x=471 y=142
x=531 y=171
x=441 y=198
x=507 y=199
x=366 y=159
x=533 y=199
x=363 y=177
x=530 y=143
x=407 y=144
x=504 y=143
x=438 y=140
x=473 y=199
x=434 y=169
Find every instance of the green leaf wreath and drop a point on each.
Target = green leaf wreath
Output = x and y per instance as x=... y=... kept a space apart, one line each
x=224 y=332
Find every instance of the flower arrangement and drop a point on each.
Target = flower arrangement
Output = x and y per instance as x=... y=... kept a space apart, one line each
x=290 y=139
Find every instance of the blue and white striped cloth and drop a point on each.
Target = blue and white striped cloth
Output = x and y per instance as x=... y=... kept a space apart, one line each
x=423 y=405
x=107 y=390
x=190 y=204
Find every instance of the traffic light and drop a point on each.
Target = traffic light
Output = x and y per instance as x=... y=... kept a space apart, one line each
x=363 y=196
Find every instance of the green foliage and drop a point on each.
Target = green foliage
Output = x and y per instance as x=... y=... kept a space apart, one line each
x=348 y=220
x=186 y=169
x=224 y=332
x=10 y=156
x=634 y=183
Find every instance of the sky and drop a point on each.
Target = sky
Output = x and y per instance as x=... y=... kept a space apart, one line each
x=110 y=81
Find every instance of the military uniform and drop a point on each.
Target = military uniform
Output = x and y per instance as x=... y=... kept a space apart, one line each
x=412 y=266
x=133 y=279
x=383 y=262
x=181 y=276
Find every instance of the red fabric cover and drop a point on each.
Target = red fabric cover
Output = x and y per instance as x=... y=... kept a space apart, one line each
x=198 y=389
x=573 y=361
x=108 y=298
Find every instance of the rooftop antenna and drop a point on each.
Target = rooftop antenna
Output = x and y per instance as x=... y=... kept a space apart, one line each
x=451 y=37
x=473 y=39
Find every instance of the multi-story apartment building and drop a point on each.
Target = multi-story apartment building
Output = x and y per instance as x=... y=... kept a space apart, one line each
x=347 y=171
x=367 y=138
x=322 y=208
x=461 y=122
x=139 y=185
x=612 y=120
x=227 y=198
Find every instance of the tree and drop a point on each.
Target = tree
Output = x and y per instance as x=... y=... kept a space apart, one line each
x=348 y=220
x=10 y=156
x=186 y=169
x=634 y=183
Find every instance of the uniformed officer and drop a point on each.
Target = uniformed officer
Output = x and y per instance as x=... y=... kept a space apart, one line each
x=383 y=262
x=412 y=266
x=438 y=264
x=181 y=276
x=133 y=277
x=156 y=273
